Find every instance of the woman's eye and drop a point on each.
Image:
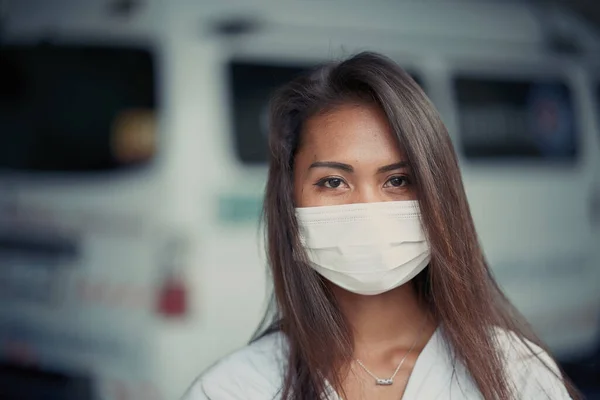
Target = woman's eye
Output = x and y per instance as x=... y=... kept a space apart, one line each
x=330 y=183
x=397 y=181
x=333 y=183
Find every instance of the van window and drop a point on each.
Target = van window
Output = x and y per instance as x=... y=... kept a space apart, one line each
x=598 y=100
x=515 y=119
x=251 y=85
x=76 y=108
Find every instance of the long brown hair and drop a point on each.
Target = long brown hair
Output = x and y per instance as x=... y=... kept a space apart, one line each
x=457 y=286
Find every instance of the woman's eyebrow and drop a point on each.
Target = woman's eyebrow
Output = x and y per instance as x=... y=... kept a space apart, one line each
x=392 y=167
x=332 y=164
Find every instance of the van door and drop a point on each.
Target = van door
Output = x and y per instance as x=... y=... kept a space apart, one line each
x=529 y=176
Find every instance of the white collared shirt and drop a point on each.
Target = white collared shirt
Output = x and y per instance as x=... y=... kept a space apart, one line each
x=256 y=372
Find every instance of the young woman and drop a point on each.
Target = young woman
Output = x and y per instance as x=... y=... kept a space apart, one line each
x=382 y=288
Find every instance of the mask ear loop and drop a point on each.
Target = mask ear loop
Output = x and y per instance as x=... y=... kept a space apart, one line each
x=299 y=248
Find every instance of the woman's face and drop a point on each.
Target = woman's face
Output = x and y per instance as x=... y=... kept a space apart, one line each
x=350 y=155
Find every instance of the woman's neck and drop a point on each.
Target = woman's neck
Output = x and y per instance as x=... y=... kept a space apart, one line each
x=391 y=319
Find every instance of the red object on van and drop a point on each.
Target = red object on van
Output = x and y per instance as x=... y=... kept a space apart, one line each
x=172 y=300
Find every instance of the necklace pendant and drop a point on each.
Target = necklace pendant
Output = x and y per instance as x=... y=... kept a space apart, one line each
x=384 y=382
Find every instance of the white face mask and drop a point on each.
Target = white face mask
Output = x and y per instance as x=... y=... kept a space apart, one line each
x=366 y=248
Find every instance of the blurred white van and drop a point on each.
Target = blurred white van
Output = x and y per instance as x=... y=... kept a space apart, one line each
x=133 y=161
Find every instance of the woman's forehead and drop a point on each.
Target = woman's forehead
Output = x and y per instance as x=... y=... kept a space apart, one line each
x=353 y=132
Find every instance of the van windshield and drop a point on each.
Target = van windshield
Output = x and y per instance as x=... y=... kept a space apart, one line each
x=76 y=108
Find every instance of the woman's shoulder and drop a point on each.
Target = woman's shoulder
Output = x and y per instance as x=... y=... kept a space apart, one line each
x=253 y=372
x=530 y=370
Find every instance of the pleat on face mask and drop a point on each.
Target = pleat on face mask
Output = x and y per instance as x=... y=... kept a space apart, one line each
x=366 y=248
